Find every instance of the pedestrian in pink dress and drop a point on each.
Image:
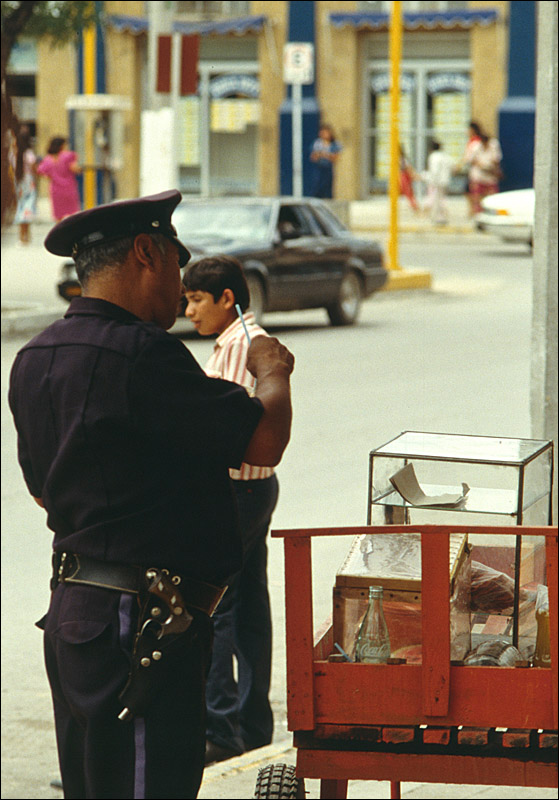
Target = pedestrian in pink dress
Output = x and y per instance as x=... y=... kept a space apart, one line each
x=61 y=166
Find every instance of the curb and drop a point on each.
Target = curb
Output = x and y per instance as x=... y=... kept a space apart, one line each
x=407 y=279
x=254 y=758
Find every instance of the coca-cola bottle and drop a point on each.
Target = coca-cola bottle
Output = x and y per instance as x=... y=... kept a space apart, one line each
x=372 y=645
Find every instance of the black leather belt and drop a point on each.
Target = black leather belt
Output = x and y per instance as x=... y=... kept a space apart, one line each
x=74 y=568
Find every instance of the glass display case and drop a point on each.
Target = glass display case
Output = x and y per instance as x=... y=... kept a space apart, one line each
x=421 y=478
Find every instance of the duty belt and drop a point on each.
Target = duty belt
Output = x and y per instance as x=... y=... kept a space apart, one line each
x=79 y=569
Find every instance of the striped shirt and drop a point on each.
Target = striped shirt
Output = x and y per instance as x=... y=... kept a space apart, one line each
x=229 y=361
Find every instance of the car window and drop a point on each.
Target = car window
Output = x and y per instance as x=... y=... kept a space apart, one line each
x=293 y=219
x=329 y=223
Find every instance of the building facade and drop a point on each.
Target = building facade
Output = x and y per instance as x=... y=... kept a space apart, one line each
x=227 y=134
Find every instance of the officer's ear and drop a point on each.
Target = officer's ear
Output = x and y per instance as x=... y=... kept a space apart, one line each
x=144 y=249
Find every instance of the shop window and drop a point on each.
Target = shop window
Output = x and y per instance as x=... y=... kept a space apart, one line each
x=411 y=7
x=233 y=8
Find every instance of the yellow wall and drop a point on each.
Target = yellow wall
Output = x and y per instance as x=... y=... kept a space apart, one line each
x=272 y=91
x=489 y=55
x=338 y=92
x=56 y=79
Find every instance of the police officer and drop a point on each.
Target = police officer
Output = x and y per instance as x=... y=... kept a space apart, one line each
x=127 y=444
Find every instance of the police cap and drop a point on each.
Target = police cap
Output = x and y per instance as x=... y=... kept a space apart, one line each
x=106 y=223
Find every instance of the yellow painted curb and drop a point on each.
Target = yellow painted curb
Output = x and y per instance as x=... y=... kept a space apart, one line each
x=408 y=279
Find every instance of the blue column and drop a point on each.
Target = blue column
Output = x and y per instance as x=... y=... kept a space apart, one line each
x=301 y=29
x=517 y=112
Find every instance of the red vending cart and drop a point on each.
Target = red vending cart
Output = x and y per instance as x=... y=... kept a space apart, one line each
x=436 y=721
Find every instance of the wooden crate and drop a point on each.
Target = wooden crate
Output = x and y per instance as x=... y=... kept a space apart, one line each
x=394 y=562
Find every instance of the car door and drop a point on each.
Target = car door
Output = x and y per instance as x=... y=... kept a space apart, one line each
x=299 y=265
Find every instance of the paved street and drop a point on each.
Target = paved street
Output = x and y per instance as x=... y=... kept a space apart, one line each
x=455 y=358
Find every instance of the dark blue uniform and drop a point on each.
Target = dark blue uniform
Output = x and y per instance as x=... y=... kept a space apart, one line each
x=128 y=444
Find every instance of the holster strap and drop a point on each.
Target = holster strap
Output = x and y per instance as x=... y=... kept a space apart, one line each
x=74 y=568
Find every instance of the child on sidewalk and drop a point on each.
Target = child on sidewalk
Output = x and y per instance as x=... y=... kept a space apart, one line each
x=239 y=712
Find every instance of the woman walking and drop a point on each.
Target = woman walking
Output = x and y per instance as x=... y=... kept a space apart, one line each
x=61 y=166
x=25 y=172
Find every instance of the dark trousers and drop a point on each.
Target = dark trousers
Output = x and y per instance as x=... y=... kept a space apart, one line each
x=239 y=712
x=88 y=640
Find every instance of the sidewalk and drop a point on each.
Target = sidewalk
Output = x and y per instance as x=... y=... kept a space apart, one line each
x=373 y=215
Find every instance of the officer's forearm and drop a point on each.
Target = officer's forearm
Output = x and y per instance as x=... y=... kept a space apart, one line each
x=274 y=429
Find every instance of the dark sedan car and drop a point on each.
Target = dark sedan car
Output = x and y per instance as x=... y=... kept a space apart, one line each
x=296 y=253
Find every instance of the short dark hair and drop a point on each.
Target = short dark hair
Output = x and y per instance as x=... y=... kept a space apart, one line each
x=108 y=256
x=435 y=145
x=215 y=274
x=56 y=144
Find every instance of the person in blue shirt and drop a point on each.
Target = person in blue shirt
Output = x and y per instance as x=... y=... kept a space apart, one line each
x=325 y=152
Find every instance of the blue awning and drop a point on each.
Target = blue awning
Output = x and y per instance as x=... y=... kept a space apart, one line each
x=126 y=24
x=237 y=25
x=429 y=20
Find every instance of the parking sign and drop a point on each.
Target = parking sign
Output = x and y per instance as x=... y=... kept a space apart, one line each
x=298 y=62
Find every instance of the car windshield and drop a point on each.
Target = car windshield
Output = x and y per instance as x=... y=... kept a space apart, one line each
x=227 y=221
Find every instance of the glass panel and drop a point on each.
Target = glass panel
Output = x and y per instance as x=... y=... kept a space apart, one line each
x=380 y=124
x=448 y=115
x=456 y=446
x=537 y=488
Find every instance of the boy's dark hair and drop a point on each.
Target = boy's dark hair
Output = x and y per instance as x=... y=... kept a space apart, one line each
x=435 y=145
x=215 y=274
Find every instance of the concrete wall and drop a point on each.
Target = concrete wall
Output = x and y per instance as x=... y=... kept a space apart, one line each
x=543 y=394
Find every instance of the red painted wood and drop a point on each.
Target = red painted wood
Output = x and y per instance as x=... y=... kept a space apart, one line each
x=190 y=48
x=163 y=64
x=435 y=624
x=395 y=790
x=299 y=634
x=486 y=770
x=332 y=790
x=551 y=568
x=510 y=530
x=378 y=694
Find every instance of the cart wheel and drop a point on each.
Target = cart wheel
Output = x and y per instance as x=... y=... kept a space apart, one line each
x=279 y=781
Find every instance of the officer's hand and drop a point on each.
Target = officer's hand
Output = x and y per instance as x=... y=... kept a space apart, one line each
x=267 y=355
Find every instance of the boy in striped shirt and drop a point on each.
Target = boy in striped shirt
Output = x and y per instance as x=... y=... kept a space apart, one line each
x=239 y=712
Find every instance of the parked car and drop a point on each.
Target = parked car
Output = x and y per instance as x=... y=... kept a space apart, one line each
x=296 y=253
x=509 y=215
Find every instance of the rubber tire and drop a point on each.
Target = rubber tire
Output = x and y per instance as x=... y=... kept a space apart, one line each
x=257 y=297
x=346 y=308
x=279 y=781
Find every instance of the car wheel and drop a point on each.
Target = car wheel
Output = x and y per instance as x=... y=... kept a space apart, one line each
x=257 y=297
x=346 y=308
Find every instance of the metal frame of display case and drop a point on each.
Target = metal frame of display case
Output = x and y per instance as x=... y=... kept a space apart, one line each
x=518 y=463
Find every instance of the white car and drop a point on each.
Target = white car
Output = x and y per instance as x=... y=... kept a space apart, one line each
x=509 y=215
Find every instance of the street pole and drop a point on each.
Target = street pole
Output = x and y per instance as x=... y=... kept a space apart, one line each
x=394 y=184
x=297 y=123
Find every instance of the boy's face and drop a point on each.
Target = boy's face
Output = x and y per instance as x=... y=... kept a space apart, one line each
x=208 y=315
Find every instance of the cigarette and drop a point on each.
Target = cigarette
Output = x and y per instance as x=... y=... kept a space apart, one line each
x=243 y=323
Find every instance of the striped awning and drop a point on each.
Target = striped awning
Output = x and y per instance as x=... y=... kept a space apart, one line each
x=428 y=20
x=126 y=24
x=237 y=25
